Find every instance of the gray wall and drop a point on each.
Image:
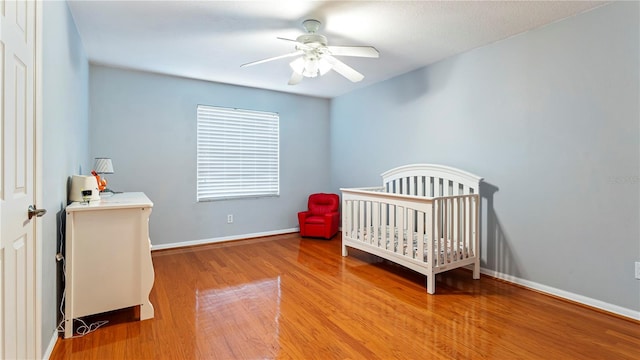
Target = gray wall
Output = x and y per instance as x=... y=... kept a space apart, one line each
x=65 y=139
x=147 y=124
x=550 y=119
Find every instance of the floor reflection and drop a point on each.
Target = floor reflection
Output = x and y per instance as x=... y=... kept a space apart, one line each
x=241 y=321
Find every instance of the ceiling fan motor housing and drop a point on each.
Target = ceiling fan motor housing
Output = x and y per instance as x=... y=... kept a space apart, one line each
x=313 y=40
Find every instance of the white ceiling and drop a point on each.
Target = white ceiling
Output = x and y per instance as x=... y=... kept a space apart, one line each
x=209 y=40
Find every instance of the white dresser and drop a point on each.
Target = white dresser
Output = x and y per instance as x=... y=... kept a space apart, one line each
x=108 y=257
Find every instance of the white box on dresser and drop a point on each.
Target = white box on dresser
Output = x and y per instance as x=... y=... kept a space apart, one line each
x=108 y=257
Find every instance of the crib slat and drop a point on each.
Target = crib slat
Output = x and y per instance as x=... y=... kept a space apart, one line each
x=429 y=230
x=409 y=233
x=443 y=235
x=384 y=225
x=361 y=228
x=392 y=227
x=446 y=235
x=469 y=216
x=434 y=249
x=450 y=206
x=465 y=227
x=347 y=207
x=367 y=219
x=420 y=228
x=469 y=222
x=434 y=234
x=438 y=234
x=457 y=237
x=376 y=223
x=354 y=218
x=454 y=232
x=475 y=224
x=476 y=237
x=345 y=217
x=454 y=229
x=400 y=230
x=452 y=226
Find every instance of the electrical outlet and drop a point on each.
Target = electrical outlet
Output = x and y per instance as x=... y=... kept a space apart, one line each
x=230 y=219
x=638 y=270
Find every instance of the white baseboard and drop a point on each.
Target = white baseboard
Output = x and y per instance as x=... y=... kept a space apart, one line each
x=615 y=309
x=52 y=344
x=222 y=239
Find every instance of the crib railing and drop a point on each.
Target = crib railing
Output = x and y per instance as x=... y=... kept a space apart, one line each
x=455 y=230
x=437 y=230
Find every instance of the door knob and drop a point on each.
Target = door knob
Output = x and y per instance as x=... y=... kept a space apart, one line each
x=36 y=212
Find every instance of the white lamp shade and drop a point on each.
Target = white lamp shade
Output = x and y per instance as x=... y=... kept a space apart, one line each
x=310 y=66
x=103 y=166
x=297 y=65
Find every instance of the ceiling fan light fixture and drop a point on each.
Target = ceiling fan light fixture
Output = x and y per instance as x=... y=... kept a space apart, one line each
x=297 y=65
x=310 y=66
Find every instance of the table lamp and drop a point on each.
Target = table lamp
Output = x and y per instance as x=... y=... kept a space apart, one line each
x=102 y=166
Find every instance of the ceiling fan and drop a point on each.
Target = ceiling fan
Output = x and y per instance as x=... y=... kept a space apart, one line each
x=317 y=58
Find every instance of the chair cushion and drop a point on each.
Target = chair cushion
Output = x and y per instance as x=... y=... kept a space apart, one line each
x=315 y=220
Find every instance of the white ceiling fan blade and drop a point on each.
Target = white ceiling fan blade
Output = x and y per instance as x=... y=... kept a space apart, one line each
x=296 y=78
x=295 y=53
x=285 y=39
x=344 y=69
x=360 y=51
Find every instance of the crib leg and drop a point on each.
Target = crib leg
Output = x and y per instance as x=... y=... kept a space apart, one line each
x=476 y=269
x=344 y=250
x=431 y=284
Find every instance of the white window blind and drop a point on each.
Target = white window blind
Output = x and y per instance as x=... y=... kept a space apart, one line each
x=238 y=153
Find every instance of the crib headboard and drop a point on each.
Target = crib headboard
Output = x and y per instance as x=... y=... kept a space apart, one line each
x=430 y=180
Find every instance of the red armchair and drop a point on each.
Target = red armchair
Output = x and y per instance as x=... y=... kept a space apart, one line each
x=322 y=218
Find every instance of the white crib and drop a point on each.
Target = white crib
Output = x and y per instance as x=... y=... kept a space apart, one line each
x=425 y=217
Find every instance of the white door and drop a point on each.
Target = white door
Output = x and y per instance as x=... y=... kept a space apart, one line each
x=18 y=337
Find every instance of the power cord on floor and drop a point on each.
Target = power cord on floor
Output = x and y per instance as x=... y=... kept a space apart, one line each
x=83 y=329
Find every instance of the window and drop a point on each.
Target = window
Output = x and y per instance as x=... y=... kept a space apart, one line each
x=238 y=153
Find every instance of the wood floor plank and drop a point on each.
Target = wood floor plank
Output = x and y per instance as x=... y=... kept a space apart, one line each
x=285 y=297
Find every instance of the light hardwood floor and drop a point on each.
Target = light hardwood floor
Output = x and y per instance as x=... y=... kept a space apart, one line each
x=291 y=298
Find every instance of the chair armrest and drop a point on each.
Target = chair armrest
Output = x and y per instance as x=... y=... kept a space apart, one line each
x=302 y=216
